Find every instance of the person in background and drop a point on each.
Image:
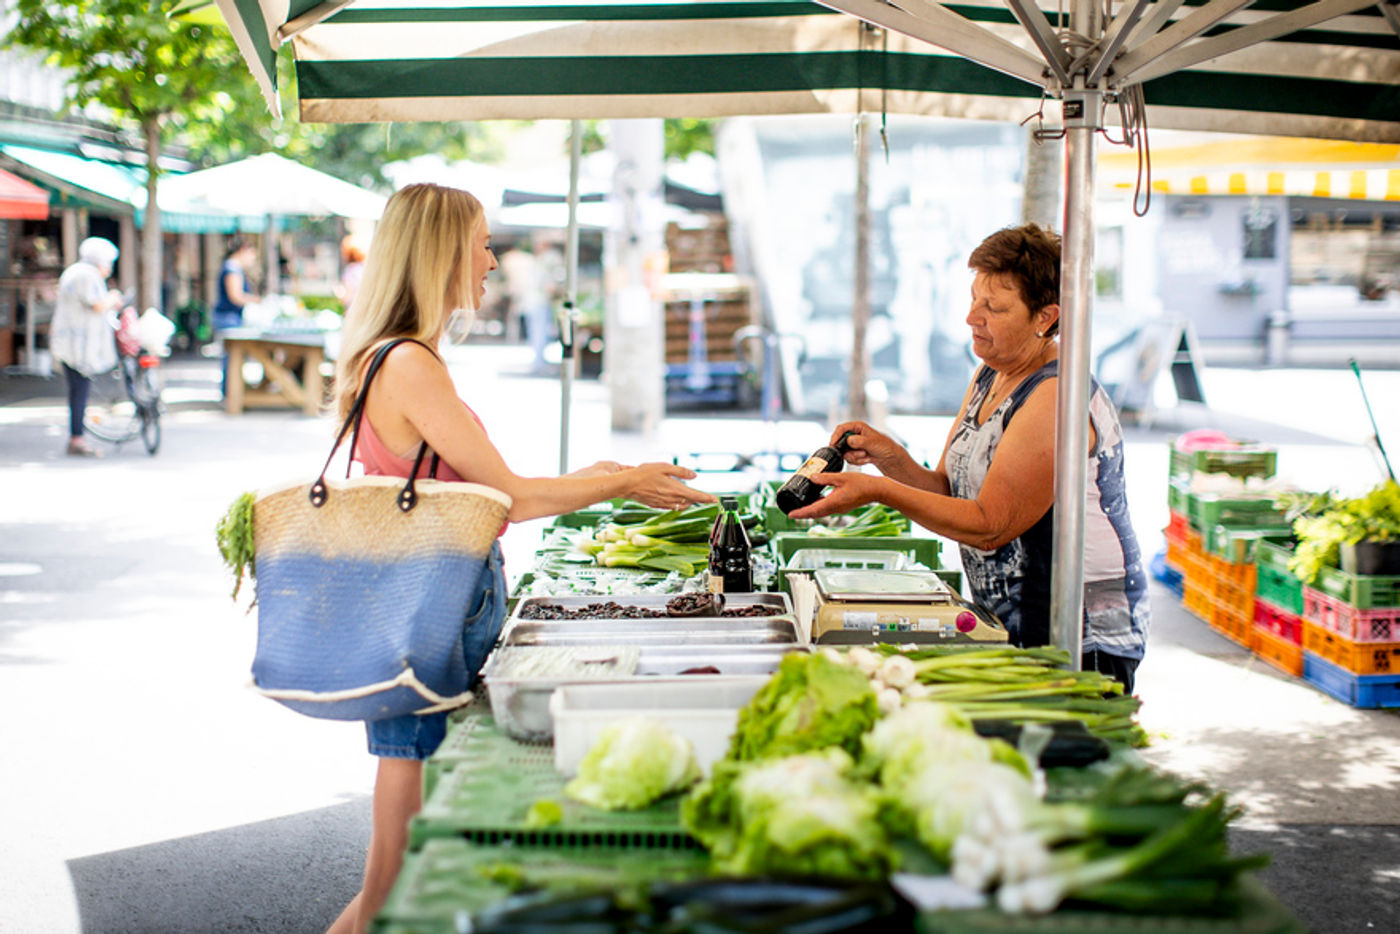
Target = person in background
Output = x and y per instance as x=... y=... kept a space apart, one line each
x=993 y=491
x=81 y=336
x=352 y=258
x=529 y=301
x=234 y=295
x=428 y=264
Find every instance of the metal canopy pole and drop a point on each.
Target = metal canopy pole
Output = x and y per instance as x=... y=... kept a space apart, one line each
x=566 y=318
x=1081 y=118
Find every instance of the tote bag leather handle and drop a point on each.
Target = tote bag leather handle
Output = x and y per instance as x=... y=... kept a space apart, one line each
x=408 y=496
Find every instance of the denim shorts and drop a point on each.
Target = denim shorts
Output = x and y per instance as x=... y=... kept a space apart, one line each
x=417 y=737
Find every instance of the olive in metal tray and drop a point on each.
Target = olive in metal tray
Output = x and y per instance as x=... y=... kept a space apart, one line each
x=612 y=610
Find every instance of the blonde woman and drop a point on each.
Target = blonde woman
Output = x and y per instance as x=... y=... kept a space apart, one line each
x=430 y=257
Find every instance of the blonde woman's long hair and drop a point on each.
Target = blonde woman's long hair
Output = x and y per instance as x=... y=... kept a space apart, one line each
x=417 y=273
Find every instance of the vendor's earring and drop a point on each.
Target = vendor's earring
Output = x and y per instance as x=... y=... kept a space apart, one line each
x=1039 y=333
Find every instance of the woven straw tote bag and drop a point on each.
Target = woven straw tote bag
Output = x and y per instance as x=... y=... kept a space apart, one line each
x=364 y=586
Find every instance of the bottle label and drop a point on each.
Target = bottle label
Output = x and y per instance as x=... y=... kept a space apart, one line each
x=715 y=583
x=813 y=466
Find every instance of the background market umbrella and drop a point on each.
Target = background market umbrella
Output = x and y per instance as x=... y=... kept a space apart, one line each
x=1329 y=68
x=270 y=186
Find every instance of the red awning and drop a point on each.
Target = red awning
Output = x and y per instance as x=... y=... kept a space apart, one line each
x=20 y=200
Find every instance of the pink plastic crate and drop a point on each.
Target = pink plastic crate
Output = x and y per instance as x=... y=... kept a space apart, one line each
x=1378 y=625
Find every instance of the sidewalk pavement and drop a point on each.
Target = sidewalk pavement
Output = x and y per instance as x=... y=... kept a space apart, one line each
x=146 y=790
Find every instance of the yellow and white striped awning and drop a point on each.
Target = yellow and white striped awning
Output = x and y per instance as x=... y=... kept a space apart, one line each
x=1265 y=166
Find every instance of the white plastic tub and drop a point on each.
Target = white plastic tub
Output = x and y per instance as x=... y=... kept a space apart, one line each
x=702 y=708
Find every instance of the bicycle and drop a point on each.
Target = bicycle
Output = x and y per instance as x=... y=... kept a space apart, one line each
x=125 y=401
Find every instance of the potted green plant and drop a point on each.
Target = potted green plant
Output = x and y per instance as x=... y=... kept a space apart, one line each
x=1361 y=535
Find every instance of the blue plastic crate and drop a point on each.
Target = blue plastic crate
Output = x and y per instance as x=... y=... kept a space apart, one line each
x=1356 y=690
x=1165 y=573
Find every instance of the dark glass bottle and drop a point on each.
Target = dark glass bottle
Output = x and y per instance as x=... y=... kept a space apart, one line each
x=799 y=490
x=731 y=556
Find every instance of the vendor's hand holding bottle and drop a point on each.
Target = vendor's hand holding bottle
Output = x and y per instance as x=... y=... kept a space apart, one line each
x=849 y=490
x=868 y=446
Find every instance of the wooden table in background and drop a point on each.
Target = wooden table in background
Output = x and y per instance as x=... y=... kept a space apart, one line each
x=282 y=357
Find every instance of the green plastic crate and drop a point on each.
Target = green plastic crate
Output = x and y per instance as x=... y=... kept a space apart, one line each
x=1207 y=510
x=1246 y=460
x=450 y=877
x=1281 y=588
x=1362 y=591
x=485 y=794
x=1178 y=490
x=923 y=549
x=1274 y=581
x=1238 y=544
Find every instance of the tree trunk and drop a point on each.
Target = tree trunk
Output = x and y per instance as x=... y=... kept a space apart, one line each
x=151 y=272
x=1040 y=202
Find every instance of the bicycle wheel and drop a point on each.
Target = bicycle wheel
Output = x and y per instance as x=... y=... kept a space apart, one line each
x=146 y=393
x=111 y=415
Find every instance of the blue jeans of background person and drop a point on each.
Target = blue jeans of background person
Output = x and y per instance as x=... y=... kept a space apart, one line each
x=222 y=321
x=418 y=737
x=78 y=387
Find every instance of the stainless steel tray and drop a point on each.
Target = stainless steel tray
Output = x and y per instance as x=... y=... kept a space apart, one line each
x=761 y=630
x=520 y=706
x=653 y=601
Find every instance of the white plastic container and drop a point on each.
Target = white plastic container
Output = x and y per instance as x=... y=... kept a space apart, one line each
x=702 y=708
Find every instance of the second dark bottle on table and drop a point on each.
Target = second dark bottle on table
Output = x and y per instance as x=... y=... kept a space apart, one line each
x=799 y=490
x=731 y=556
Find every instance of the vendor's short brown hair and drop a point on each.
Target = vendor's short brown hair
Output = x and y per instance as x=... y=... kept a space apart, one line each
x=1029 y=254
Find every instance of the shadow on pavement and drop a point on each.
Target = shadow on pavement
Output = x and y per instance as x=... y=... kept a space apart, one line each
x=292 y=875
x=1336 y=879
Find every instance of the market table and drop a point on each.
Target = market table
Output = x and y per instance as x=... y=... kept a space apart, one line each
x=291 y=363
x=496 y=821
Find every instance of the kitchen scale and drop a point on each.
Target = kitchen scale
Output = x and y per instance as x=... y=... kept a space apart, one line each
x=862 y=605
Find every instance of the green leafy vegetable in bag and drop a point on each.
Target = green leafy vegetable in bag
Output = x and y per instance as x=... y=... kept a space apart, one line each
x=635 y=761
x=235 y=537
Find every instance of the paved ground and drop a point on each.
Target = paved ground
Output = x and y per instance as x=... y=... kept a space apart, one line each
x=144 y=790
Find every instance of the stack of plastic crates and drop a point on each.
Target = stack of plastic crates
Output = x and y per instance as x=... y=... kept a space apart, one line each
x=1278 y=607
x=1211 y=535
x=1351 y=637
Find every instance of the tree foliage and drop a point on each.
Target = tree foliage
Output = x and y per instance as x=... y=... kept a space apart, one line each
x=131 y=59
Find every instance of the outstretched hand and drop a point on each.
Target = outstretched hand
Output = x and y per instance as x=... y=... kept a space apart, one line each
x=659 y=485
x=848 y=491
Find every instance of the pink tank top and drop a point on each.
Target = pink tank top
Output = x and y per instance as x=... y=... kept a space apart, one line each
x=379 y=461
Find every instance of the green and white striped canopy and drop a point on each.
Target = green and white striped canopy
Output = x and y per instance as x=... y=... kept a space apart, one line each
x=1329 y=68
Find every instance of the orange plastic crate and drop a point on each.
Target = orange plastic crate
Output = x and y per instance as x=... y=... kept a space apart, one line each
x=1177 y=525
x=1197 y=602
x=1278 y=651
x=1230 y=623
x=1361 y=658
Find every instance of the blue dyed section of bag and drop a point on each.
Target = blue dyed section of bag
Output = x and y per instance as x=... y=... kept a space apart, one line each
x=337 y=624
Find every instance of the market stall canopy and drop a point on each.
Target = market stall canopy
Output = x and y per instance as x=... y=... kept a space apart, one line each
x=269 y=184
x=75 y=181
x=1265 y=165
x=19 y=200
x=1327 y=68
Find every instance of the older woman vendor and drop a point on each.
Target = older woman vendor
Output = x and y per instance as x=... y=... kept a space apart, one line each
x=993 y=491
